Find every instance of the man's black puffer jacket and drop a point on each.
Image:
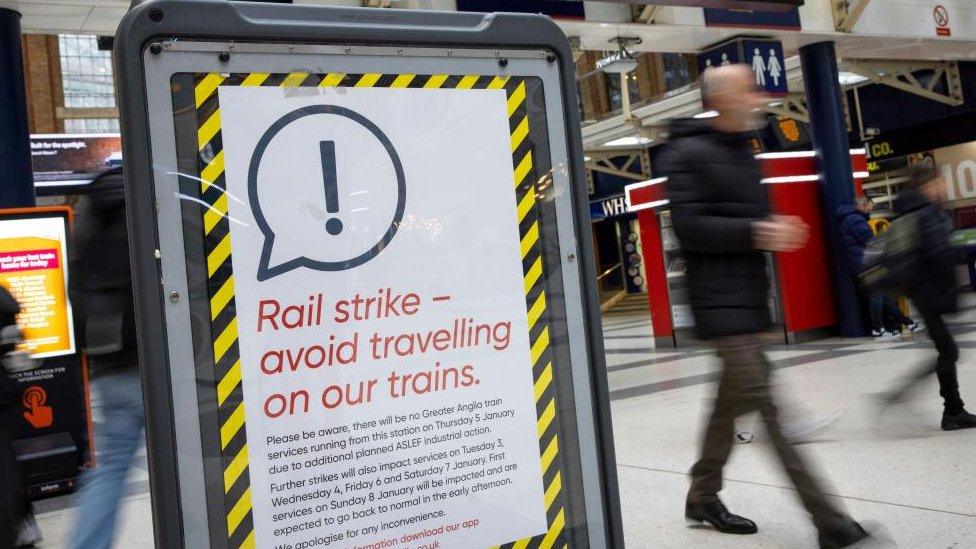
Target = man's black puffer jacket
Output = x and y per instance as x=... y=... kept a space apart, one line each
x=716 y=195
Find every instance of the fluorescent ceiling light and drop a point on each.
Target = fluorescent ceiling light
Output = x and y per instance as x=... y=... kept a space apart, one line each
x=628 y=142
x=849 y=78
x=707 y=114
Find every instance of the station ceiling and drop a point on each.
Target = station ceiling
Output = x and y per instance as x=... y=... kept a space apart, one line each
x=103 y=16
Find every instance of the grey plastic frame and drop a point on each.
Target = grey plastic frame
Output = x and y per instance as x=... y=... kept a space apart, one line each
x=310 y=30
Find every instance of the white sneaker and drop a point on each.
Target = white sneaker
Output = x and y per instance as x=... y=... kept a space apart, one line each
x=915 y=327
x=885 y=336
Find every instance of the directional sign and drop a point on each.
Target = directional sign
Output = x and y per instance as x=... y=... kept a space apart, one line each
x=764 y=57
x=726 y=54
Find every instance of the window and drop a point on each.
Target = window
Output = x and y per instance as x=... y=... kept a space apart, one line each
x=87 y=80
x=91 y=125
x=613 y=90
x=677 y=70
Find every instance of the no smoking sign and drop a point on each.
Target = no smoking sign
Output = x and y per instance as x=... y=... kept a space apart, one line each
x=941 y=16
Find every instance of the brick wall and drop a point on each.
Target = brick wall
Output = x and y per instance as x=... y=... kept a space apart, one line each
x=42 y=74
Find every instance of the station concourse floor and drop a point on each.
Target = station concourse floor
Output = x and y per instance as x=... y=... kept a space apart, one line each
x=897 y=469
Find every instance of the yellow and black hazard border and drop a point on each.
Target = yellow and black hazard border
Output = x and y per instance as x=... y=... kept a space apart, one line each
x=217 y=247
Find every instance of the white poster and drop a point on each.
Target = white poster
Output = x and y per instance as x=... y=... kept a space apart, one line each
x=381 y=316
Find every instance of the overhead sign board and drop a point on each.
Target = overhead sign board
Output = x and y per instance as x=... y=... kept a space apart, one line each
x=753 y=19
x=374 y=281
x=764 y=57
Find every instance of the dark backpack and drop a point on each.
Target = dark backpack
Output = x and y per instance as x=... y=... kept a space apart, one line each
x=892 y=259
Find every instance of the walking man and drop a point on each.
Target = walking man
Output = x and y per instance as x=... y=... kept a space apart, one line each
x=933 y=291
x=721 y=217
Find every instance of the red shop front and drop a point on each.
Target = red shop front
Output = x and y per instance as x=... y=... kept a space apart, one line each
x=802 y=296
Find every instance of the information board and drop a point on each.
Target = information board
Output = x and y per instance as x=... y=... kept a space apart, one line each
x=53 y=427
x=375 y=282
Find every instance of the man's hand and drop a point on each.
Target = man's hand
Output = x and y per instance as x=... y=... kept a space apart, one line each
x=780 y=234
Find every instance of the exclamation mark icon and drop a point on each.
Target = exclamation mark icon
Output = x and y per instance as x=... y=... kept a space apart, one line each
x=327 y=149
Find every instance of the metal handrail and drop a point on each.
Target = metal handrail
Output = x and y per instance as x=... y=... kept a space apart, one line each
x=610 y=270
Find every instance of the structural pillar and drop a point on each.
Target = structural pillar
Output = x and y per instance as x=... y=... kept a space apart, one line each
x=829 y=132
x=17 y=181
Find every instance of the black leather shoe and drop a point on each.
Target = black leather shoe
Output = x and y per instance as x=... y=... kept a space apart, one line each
x=954 y=422
x=843 y=536
x=718 y=516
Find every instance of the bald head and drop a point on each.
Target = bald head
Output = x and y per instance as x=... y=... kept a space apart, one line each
x=731 y=91
x=720 y=81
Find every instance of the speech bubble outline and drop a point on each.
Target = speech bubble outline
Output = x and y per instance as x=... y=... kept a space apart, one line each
x=265 y=270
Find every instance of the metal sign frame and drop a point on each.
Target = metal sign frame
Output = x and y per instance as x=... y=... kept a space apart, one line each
x=155 y=33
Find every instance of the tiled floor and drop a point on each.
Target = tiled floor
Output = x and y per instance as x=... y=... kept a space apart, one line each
x=898 y=469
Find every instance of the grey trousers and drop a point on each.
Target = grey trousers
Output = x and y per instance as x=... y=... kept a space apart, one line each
x=745 y=387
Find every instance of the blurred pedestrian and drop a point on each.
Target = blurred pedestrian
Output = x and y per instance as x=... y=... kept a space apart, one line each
x=103 y=297
x=933 y=289
x=12 y=511
x=855 y=233
x=722 y=219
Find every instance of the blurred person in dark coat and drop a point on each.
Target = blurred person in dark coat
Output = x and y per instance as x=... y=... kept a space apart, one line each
x=721 y=216
x=103 y=298
x=933 y=290
x=855 y=233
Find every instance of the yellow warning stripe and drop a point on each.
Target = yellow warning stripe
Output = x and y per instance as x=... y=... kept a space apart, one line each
x=535 y=271
x=498 y=83
x=537 y=309
x=523 y=169
x=546 y=417
x=255 y=79
x=368 y=80
x=553 y=490
x=219 y=254
x=522 y=544
x=550 y=453
x=530 y=238
x=235 y=469
x=213 y=169
x=436 y=81
x=467 y=82
x=207 y=86
x=222 y=298
x=545 y=379
x=294 y=79
x=521 y=131
x=230 y=381
x=248 y=542
x=557 y=527
x=232 y=426
x=225 y=340
x=403 y=80
x=332 y=79
x=209 y=129
x=516 y=99
x=237 y=514
x=215 y=213
x=539 y=347
x=526 y=205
